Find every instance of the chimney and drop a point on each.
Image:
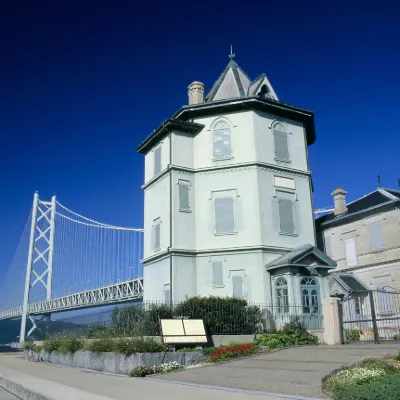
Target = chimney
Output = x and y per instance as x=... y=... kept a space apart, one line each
x=196 y=93
x=339 y=197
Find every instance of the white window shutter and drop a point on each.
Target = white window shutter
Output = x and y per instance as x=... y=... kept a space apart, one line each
x=286 y=216
x=237 y=283
x=351 y=253
x=328 y=246
x=157 y=235
x=184 y=196
x=218 y=278
x=375 y=235
x=281 y=145
x=157 y=160
x=224 y=215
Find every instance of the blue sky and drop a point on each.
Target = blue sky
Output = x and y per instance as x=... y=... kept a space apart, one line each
x=82 y=83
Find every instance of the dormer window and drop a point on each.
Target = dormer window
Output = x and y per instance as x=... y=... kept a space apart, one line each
x=221 y=140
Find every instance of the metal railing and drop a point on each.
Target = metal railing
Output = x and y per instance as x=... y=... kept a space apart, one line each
x=375 y=313
x=220 y=317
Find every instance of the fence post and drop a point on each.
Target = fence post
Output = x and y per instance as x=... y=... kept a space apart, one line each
x=330 y=311
x=340 y=309
x=373 y=316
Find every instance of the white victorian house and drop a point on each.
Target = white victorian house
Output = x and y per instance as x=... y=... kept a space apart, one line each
x=228 y=208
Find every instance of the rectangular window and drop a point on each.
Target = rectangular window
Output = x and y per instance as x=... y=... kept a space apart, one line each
x=222 y=143
x=157 y=160
x=218 y=279
x=282 y=300
x=237 y=283
x=286 y=213
x=350 y=250
x=375 y=235
x=281 y=145
x=224 y=215
x=184 y=190
x=156 y=234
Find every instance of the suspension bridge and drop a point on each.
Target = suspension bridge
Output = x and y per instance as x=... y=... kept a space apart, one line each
x=65 y=261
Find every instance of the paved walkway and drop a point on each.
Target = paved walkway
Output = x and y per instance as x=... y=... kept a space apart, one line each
x=292 y=374
x=297 y=371
x=64 y=383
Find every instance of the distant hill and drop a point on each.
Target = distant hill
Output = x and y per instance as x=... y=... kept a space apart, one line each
x=9 y=330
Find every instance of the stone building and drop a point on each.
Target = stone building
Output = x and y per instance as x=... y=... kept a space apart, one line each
x=363 y=238
x=227 y=199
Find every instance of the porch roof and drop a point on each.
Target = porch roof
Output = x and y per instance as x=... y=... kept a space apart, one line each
x=299 y=254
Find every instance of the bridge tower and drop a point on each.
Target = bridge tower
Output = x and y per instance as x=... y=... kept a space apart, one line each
x=41 y=247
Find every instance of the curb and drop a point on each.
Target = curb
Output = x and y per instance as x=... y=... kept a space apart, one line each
x=20 y=391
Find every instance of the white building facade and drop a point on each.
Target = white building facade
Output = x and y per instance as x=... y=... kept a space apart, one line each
x=228 y=199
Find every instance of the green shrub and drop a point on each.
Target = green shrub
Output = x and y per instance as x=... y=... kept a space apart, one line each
x=98 y=332
x=396 y=337
x=396 y=357
x=295 y=324
x=105 y=345
x=286 y=338
x=32 y=346
x=386 y=387
x=70 y=344
x=52 y=344
x=222 y=316
x=376 y=363
x=132 y=346
x=353 y=335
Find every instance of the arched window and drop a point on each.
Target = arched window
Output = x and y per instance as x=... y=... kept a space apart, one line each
x=282 y=299
x=222 y=140
x=281 y=142
x=309 y=295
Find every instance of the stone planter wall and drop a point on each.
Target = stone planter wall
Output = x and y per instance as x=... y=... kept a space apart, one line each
x=113 y=362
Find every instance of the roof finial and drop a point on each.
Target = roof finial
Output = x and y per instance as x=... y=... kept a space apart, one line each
x=232 y=56
x=379 y=180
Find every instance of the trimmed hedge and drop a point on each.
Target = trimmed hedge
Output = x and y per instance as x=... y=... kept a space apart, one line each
x=222 y=316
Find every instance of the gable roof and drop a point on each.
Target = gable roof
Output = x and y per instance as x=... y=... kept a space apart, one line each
x=235 y=83
x=378 y=198
x=348 y=281
x=296 y=255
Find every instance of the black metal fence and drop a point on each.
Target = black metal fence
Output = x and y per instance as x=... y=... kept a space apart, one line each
x=375 y=314
x=221 y=317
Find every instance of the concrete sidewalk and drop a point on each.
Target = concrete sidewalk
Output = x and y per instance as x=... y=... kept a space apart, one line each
x=64 y=383
x=4 y=395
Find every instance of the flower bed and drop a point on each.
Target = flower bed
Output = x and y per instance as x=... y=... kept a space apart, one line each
x=143 y=371
x=370 y=379
x=230 y=352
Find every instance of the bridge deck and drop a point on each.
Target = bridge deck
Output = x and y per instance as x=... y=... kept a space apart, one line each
x=112 y=294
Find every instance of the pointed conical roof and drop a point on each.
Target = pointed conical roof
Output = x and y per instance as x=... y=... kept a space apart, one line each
x=234 y=83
